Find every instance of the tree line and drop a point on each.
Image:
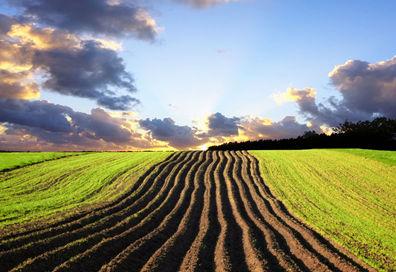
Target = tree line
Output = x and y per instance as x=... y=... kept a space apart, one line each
x=379 y=134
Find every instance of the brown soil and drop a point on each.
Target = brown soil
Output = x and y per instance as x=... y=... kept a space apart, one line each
x=196 y=211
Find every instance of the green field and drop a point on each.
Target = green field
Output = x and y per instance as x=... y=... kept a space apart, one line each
x=346 y=195
x=387 y=157
x=11 y=160
x=43 y=190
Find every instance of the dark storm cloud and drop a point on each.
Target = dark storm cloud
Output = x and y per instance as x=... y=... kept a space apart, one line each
x=179 y=137
x=220 y=125
x=111 y=18
x=87 y=71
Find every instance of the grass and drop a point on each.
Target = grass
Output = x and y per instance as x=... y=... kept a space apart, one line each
x=11 y=160
x=387 y=157
x=341 y=194
x=59 y=187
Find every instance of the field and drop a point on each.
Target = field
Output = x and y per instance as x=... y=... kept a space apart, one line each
x=59 y=188
x=11 y=160
x=387 y=157
x=346 y=195
x=190 y=211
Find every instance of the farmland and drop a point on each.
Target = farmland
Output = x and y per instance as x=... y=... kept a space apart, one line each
x=56 y=189
x=348 y=196
x=11 y=160
x=185 y=211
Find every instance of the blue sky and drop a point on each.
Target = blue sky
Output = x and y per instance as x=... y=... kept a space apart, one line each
x=235 y=58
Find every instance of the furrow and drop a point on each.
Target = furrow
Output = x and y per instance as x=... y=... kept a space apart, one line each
x=310 y=243
x=170 y=254
x=280 y=240
x=228 y=254
x=75 y=222
x=47 y=246
x=255 y=258
x=278 y=257
x=110 y=247
x=200 y=256
x=97 y=233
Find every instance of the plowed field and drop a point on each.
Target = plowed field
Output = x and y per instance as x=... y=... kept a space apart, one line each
x=195 y=211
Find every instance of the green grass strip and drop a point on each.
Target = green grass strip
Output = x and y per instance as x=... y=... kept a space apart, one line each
x=11 y=160
x=345 y=197
x=387 y=157
x=47 y=189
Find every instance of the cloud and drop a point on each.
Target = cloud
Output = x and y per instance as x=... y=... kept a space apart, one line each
x=221 y=51
x=367 y=87
x=255 y=128
x=179 y=137
x=204 y=3
x=368 y=90
x=41 y=123
x=110 y=18
x=219 y=125
x=71 y=66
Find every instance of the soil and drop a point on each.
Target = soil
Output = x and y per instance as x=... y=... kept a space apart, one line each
x=196 y=211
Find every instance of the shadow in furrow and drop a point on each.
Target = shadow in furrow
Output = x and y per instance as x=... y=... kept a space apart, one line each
x=77 y=221
x=230 y=255
x=204 y=259
x=323 y=249
x=170 y=256
x=280 y=242
x=108 y=249
x=140 y=251
x=55 y=245
x=51 y=259
x=254 y=234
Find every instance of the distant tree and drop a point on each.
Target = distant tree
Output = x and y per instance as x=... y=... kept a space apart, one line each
x=377 y=134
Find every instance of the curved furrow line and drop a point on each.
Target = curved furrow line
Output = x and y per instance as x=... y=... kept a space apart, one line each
x=229 y=256
x=200 y=256
x=273 y=252
x=139 y=188
x=46 y=246
x=257 y=258
x=110 y=247
x=170 y=256
x=140 y=250
x=76 y=221
x=322 y=249
x=170 y=252
x=278 y=235
x=63 y=253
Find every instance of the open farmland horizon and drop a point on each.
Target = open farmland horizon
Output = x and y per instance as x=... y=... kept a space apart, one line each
x=187 y=211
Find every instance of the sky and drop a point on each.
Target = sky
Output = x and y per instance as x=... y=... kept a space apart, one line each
x=112 y=75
